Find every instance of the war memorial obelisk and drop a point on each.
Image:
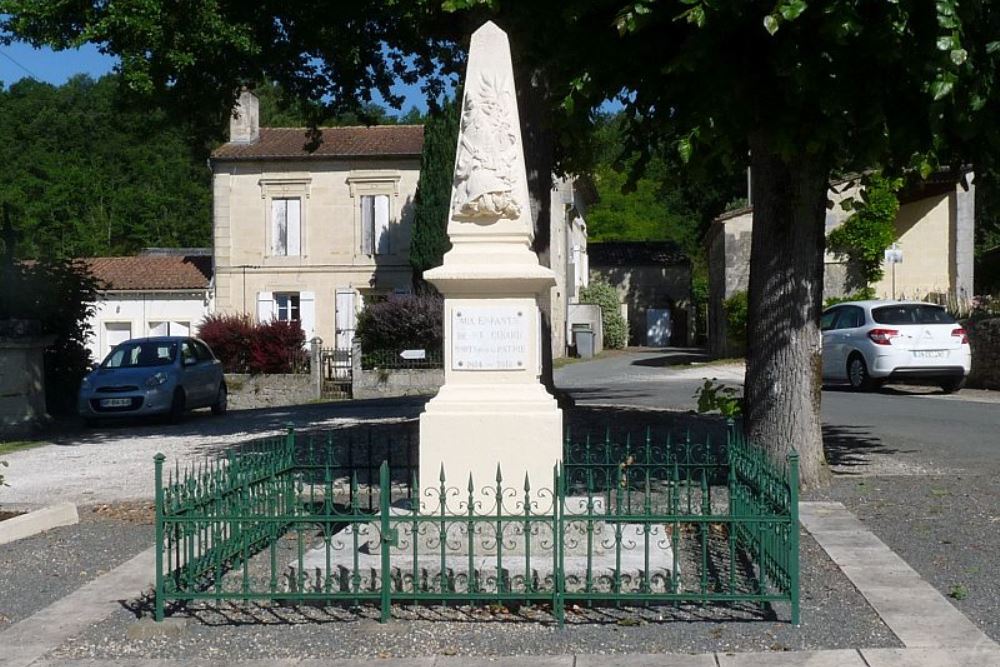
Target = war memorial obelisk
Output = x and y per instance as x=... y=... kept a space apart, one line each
x=492 y=409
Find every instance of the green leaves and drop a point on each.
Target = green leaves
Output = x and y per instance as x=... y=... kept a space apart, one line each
x=785 y=11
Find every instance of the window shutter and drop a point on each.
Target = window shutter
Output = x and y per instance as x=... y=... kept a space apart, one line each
x=307 y=314
x=293 y=219
x=381 y=224
x=265 y=306
x=279 y=227
x=159 y=329
x=367 y=224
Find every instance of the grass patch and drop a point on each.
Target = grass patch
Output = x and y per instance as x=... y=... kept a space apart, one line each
x=18 y=445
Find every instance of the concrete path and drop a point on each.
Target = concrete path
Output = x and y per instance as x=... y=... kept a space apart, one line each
x=913 y=609
x=25 y=642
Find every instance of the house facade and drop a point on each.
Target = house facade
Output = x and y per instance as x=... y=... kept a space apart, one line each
x=934 y=230
x=567 y=255
x=307 y=228
x=157 y=293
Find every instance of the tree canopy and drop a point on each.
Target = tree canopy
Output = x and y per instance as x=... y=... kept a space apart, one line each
x=806 y=88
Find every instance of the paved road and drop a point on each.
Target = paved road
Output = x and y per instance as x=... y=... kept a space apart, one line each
x=907 y=428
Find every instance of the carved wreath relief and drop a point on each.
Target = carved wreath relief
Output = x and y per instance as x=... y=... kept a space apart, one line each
x=485 y=171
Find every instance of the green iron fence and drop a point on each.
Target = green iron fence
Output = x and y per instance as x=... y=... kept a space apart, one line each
x=305 y=519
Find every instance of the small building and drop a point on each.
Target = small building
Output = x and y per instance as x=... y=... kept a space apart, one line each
x=156 y=293
x=934 y=229
x=567 y=254
x=653 y=279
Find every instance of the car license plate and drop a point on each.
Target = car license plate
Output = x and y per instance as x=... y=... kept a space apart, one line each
x=930 y=354
x=116 y=402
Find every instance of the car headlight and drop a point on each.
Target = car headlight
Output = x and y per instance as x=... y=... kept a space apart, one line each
x=155 y=380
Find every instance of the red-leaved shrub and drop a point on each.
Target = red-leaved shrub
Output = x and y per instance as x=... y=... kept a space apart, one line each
x=245 y=346
x=402 y=321
x=276 y=347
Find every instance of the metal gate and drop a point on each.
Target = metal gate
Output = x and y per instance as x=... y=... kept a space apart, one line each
x=337 y=372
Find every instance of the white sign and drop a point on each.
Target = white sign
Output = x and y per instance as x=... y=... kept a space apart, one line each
x=894 y=254
x=489 y=339
x=413 y=354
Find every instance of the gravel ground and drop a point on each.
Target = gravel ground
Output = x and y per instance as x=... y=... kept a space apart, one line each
x=37 y=571
x=834 y=616
x=947 y=527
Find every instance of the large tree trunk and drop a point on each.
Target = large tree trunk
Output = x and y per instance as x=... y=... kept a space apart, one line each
x=783 y=377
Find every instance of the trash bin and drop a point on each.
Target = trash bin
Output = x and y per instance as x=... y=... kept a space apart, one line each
x=584 y=339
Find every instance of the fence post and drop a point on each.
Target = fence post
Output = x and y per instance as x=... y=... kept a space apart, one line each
x=316 y=366
x=386 y=540
x=158 y=509
x=290 y=436
x=558 y=595
x=793 y=533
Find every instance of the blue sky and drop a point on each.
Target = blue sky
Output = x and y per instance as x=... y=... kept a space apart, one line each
x=20 y=60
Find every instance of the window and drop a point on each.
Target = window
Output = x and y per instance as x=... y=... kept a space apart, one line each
x=286 y=227
x=140 y=355
x=851 y=317
x=188 y=355
x=374 y=224
x=169 y=328
x=287 y=307
x=202 y=351
x=827 y=319
x=912 y=313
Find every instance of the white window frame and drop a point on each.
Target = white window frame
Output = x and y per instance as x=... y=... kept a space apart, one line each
x=288 y=187
x=288 y=306
x=372 y=183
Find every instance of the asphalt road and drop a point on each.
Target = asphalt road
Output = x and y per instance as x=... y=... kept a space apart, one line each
x=910 y=429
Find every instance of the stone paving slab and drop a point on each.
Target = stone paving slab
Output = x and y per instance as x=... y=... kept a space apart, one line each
x=931 y=657
x=913 y=609
x=647 y=660
x=842 y=658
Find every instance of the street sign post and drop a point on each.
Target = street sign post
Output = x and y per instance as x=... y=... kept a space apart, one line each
x=894 y=256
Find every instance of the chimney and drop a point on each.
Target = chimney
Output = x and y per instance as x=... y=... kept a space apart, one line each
x=244 y=124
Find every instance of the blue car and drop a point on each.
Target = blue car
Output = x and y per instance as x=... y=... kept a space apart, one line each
x=154 y=376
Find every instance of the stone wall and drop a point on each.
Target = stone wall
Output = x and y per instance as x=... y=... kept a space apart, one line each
x=984 y=337
x=386 y=383
x=247 y=392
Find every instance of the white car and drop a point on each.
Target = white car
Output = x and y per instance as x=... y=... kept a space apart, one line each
x=868 y=343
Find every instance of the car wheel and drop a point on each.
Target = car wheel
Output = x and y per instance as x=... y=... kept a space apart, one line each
x=177 y=405
x=857 y=374
x=221 y=401
x=952 y=385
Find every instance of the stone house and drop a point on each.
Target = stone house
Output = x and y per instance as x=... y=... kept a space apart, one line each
x=308 y=228
x=653 y=279
x=156 y=293
x=934 y=229
x=568 y=255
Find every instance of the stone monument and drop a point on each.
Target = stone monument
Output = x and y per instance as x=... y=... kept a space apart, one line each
x=492 y=408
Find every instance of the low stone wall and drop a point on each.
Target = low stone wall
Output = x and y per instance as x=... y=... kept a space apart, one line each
x=396 y=382
x=247 y=392
x=984 y=337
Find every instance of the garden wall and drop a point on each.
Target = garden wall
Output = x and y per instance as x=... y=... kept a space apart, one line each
x=247 y=392
x=385 y=383
x=984 y=337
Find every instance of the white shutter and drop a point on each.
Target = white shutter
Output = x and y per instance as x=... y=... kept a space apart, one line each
x=279 y=227
x=293 y=219
x=367 y=225
x=345 y=317
x=585 y=279
x=159 y=328
x=381 y=224
x=180 y=329
x=265 y=306
x=307 y=314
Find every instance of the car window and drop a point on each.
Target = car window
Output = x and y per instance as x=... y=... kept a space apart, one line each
x=141 y=355
x=912 y=313
x=851 y=317
x=188 y=355
x=828 y=319
x=204 y=354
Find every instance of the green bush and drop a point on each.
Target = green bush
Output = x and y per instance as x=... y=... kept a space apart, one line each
x=400 y=322
x=604 y=295
x=871 y=229
x=735 y=308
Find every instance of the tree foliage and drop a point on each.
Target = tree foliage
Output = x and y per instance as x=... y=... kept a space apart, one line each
x=90 y=177
x=869 y=230
x=606 y=296
x=431 y=204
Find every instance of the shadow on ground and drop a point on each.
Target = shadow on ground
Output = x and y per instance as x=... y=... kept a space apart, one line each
x=674 y=356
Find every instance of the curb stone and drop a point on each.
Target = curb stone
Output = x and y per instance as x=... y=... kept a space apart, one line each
x=38 y=521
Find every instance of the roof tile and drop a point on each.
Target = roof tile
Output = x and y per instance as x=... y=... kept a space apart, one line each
x=152 y=272
x=277 y=143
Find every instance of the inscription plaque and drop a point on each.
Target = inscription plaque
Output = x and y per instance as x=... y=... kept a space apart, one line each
x=490 y=339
